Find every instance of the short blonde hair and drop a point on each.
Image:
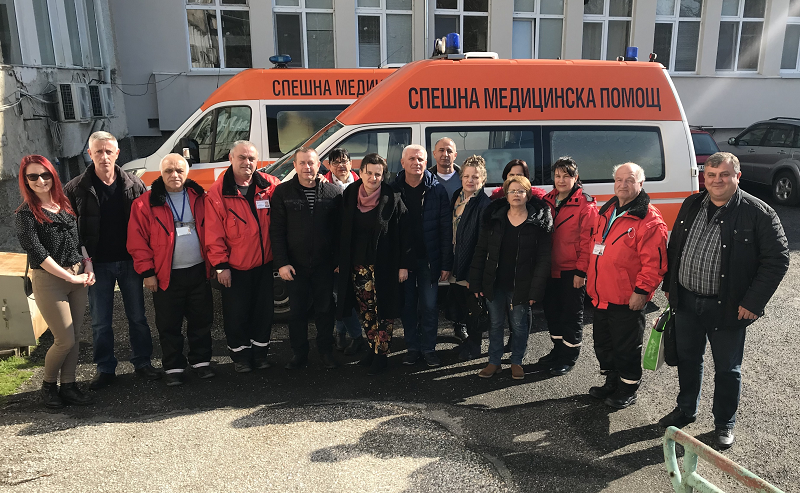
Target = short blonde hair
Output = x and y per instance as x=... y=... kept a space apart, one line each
x=478 y=163
x=526 y=184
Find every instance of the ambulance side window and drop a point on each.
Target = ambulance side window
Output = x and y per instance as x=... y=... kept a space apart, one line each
x=598 y=149
x=201 y=137
x=389 y=143
x=211 y=138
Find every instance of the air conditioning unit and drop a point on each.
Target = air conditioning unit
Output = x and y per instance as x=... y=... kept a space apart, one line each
x=96 y=99
x=74 y=102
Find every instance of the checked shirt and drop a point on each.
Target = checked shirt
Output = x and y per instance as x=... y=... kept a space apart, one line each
x=702 y=255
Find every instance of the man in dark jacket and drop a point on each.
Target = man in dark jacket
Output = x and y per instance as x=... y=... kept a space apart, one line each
x=432 y=230
x=304 y=231
x=726 y=257
x=101 y=198
x=445 y=169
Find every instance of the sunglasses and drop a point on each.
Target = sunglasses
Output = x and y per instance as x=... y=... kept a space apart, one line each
x=46 y=176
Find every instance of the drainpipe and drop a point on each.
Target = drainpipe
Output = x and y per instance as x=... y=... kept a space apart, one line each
x=424 y=51
x=101 y=37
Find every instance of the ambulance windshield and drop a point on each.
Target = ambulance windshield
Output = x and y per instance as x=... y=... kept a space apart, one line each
x=283 y=166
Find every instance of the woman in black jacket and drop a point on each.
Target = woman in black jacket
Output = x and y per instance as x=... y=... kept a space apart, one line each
x=373 y=257
x=511 y=266
x=468 y=203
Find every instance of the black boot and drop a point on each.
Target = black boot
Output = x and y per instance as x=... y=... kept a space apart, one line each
x=368 y=358
x=624 y=396
x=355 y=347
x=552 y=356
x=71 y=394
x=608 y=388
x=50 y=395
x=378 y=364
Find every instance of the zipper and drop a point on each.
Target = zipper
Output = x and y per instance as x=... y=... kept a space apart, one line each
x=162 y=225
x=237 y=215
x=514 y=279
x=623 y=234
x=659 y=257
x=565 y=220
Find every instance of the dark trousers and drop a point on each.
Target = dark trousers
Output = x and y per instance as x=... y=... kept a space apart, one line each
x=697 y=319
x=311 y=287
x=469 y=304
x=187 y=296
x=618 y=333
x=247 y=310
x=420 y=315
x=563 y=310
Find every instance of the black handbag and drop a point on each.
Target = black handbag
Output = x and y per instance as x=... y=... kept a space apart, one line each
x=479 y=314
x=669 y=342
x=26 y=279
x=454 y=305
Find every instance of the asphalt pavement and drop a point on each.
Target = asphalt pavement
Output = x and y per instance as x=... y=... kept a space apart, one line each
x=410 y=429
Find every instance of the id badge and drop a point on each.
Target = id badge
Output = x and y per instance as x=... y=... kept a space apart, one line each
x=183 y=231
x=262 y=204
x=598 y=249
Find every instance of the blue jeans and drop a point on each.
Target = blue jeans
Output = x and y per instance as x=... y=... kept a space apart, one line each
x=697 y=319
x=350 y=325
x=420 y=316
x=518 y=320
x=101 y=308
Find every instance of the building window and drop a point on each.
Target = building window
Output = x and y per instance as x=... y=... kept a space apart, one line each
x=211 y=22
x=740 y=29
x=790 y=59
x=606 y=28
x=41 y=15
x=9 y=35
x=384 y=32
x=66 y=32
x=537 y=30
x=677 y=34
x=304 y=30
x=469 y=18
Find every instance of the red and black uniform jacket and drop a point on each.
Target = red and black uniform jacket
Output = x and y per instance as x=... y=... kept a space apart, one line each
x=572 y=233
x=151 y=230
x=635 y=255
x=235 y=237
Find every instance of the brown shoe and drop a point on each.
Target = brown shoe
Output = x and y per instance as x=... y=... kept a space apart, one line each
x=490 y=370
x=517 y=373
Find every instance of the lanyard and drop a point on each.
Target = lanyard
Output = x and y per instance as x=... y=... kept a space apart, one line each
x=183 y=207
x=614 y=217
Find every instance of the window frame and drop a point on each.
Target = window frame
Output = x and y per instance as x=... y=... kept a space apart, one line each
x=675 y=19
x=13 y=25
x=302 y=10
x=792 y=21
x=604 y=19
x=213 y=113
x=536 y=16
x=31 y=47
x=740 y=19
x=217 y=6
x=382 y=12
x=461 y=13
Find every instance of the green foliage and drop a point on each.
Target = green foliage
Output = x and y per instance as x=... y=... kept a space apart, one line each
x=14 y=371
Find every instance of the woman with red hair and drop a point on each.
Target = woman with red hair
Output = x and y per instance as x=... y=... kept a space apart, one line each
x=61 y=273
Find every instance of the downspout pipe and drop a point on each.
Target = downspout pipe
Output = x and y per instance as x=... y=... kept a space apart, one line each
x=101 y=37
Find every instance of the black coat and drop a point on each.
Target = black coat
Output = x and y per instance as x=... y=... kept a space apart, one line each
x=467 y=232
x=392 y=245
x=755 y=255
x=533 y=253
x=83 y=197
x=299 y=237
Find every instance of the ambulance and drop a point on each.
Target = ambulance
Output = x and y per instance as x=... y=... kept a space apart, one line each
x=602 y=113
x=275 y=108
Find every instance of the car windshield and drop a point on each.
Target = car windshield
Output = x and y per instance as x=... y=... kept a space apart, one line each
x=283 y=166
x=704 y=145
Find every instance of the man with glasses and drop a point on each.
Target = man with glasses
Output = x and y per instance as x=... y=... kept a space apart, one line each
x=101 y=198
x=341 y=174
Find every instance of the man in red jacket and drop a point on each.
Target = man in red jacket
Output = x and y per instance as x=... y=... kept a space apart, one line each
x=627 y=261
x=239 y=249
x=165 y=239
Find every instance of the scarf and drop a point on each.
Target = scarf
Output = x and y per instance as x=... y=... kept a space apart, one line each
x=367 y=202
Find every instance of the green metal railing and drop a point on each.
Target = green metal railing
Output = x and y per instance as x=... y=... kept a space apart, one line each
x=688 y=480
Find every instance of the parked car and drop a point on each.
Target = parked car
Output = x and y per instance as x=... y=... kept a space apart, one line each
x=769 y=153
x=704 y=146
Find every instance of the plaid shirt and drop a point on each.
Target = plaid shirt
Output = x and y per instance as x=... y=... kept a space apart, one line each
x=702 y=255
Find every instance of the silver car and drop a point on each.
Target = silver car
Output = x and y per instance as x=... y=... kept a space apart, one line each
x=769 y=153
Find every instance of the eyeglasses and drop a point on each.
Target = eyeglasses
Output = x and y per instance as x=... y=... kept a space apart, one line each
x=340 y=163
x=517 y=192
x=46 y=176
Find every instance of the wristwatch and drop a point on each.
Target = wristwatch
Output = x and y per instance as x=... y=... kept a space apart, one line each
x=220 y=271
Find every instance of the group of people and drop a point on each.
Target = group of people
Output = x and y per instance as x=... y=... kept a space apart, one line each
x=383 y=249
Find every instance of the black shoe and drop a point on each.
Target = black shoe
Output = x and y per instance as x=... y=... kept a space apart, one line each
x=460 y=331
x=340 y=339
x=550 y=357
x=624 y=396
x=469 y=351
x=368 y=358
x=50 y=395
x=101 y=380
x=725 y=438
x=296 y=362
x=411 y=357
x=148 y=372
x=328 y=361
x=378 y=365
x=242 y=367
x=559 y=370
x=173 y=379
x=261 y=364
x=608 y=388
x=71 y=394
x=431 y=359
x=676 y=418
x=204 y=372
x=355 y=347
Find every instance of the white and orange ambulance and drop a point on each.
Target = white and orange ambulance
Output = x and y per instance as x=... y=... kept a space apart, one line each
x=274 y=108
x=601 y=113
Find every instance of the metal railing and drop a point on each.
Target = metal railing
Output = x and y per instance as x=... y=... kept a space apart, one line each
x=688 y=480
